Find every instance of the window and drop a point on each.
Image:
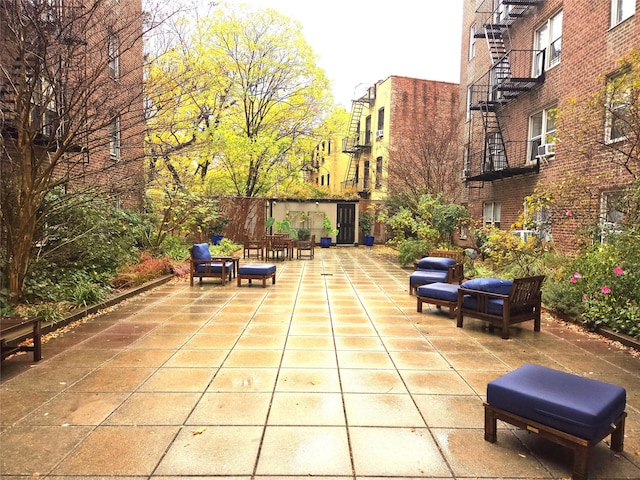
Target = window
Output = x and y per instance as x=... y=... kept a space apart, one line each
x=548 y=38
x=366 y=175
x=621 y=10
x=114 y=140
x=619 y=102
x=492 y=214
x=379 y=172
x=494 y=154
x=612 y=213
x=472 y=41
x=542 y=130
x=469 y=97
x=367 y=133
x=114 y=57
x=380 y=132
x=44 y=111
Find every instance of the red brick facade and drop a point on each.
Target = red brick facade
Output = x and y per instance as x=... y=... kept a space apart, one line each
x=590 y=50
x=89 y=93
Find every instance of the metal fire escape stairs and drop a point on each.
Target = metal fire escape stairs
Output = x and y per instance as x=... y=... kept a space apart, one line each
x=499 y=85
x=350 y=144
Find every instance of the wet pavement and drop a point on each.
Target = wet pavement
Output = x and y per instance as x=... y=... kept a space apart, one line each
x=331 y=372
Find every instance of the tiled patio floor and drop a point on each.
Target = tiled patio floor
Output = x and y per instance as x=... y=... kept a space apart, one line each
x=331 y=372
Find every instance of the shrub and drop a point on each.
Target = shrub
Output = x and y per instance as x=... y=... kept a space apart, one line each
x=602 y=286
x=411 y=249
x=145 y=270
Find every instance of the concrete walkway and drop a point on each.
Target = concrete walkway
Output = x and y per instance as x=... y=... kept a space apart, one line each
x=331 y=372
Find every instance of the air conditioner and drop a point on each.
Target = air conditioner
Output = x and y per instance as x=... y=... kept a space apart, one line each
x=524 y=234
x=380 y=134
x=546 y=150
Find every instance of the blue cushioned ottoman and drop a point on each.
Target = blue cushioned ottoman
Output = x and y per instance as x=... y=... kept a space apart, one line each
x=260 y=271
x=573 y=411
x=438 y=294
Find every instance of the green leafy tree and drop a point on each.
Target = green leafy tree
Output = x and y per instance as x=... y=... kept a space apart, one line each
x=247 y=91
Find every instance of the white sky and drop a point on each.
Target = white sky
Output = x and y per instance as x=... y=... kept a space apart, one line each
x=411 y=38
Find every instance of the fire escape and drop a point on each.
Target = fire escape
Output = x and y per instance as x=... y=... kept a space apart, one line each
x=358 y=141
x=489 y=155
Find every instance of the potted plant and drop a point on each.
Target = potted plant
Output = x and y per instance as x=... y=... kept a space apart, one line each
x=304 y=234
x=366 y=222
x=216 y=228
x=327 y=231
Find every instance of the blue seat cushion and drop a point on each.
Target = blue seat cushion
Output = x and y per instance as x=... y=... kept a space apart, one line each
x=439 y=291
x=491 y=285
x=494 y=305
x=257 y=269
x=435 y=263
x=422 y=277
x=580 y=406
x=215 y=267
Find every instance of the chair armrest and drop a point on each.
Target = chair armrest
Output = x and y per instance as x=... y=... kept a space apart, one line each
x=456 y=273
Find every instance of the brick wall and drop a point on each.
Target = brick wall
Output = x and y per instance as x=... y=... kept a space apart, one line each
x=590 y=50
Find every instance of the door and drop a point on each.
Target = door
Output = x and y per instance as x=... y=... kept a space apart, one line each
x=346 y=224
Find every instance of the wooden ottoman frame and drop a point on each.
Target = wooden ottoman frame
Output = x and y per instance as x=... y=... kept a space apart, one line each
x=255 y=276
x=580 y=446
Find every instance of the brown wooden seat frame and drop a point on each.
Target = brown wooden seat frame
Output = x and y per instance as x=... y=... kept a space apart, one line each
x=523 y=303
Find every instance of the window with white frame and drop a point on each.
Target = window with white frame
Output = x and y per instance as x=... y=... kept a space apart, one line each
x=492 y=214
x=114 y=140
x=619 y=103
x=612 y=213
x=472 y=41
x=469 y=99
x=542 y=133
x=114 y=57
x=621 y=10
x=548 y=38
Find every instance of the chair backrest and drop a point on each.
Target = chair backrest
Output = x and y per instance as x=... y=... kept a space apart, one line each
x=457 y=256
x=526 y=290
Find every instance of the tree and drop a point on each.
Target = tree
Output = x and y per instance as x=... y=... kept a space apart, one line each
x=424 y=161
x=246 y=91
x=72 y=117
x=600 y=136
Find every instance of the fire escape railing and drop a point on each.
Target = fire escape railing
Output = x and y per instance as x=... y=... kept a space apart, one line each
x=512 y=73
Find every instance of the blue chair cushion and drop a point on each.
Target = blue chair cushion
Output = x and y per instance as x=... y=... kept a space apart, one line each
x=491 y=285
x=494 y=305
x=422 y=277
x=200 y=251
x=439 y=291
x=580 y=406
x=215 y=267
x=257 y=269
x=435 y=263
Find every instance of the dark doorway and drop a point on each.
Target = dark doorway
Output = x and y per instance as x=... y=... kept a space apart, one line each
x=346 y=224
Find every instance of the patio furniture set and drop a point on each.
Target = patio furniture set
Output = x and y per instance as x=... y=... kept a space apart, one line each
x=566 y=409
x=438 y=280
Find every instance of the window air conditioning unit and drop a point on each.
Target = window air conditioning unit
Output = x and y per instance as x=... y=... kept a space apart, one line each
x=380 y=134
x=546 y=150
x=524 y=234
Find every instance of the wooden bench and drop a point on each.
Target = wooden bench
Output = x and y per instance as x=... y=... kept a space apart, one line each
x=13 y=329
x=566 y=409
x=522 y=303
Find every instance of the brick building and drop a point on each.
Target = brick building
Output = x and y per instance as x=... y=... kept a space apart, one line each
x=528 y=71
x=71 y=96
x=390 y=126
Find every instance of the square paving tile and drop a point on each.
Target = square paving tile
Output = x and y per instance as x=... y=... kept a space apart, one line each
x=310 y=451
x=132 y=450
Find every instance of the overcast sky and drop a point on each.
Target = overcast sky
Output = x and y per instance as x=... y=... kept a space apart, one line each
x=411 y=38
